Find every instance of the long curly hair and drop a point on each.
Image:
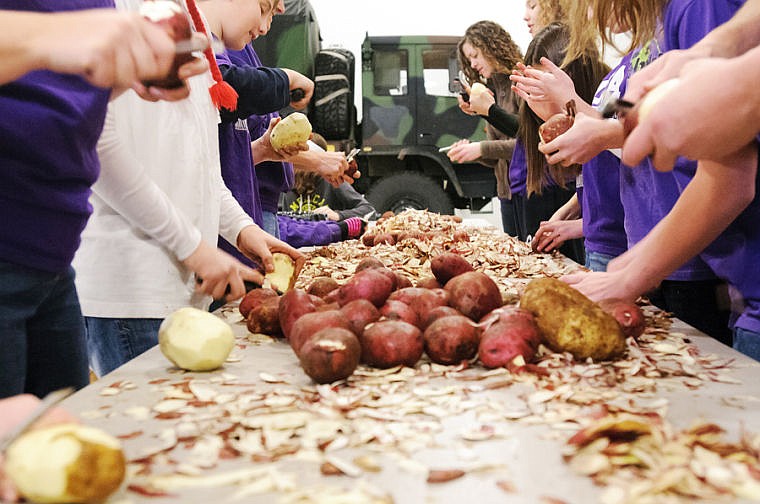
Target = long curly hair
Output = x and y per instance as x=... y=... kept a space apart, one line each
x=496 y=45
x=551 y=11
x=586 y=72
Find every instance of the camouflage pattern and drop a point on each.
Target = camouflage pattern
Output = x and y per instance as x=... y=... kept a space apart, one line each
x=403 y=126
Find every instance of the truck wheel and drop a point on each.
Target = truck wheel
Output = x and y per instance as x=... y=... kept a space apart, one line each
x=405 y=191
x=333 y=101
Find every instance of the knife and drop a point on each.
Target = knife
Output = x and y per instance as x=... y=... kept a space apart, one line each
x=48 y=402
x=198 y=44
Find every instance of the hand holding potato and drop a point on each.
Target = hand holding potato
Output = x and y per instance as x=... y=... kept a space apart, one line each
x=481 y=99
x=259 y=245
x=217 y=271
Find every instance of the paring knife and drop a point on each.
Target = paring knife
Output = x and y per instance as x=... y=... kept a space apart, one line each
x=48 y=402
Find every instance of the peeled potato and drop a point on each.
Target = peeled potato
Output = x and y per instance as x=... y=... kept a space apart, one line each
x=285 y=273
x=293 y=130
x=478 y=89
x=65 y=463
x=195 y=340
x=655 y=95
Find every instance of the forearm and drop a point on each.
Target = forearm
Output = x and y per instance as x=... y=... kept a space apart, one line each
x=569 y=211
x=738 y=35
x=22 y=48
x=260 y=90
x=713 y=199
x=502 y=120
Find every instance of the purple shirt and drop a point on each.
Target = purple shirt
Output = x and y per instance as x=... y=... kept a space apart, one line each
x=49 y=127
x=237 y=168
x=648 y=195
x=518 y=170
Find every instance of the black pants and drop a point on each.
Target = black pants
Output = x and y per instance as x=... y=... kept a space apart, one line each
x=529 y=212
x=698 y=303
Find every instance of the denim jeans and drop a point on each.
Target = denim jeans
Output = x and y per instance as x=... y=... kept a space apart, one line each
x=747 y=342
x=41 y=332
x=270 y=224
x=112 y=342
x=596 y=261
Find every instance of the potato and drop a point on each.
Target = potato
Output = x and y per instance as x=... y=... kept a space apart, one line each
x=478 y=89
x=448 y=265
x=65 y=463
x=368 y=239
x=369 y=262
x=369 y=284
x=293 y=130
x=421 y=300
x=460 y=235
x=396 y=310
x=558 y=124
x=321 y=286
x=474 y=294
x=570 y=322
x=254 y=298
x=402 y=281
x=386 y=238
x=285 y=274
x=265 y=318
x=307 y=325
x=451 y=340
x=331 y=354
x=628 y=315
x=293 y=305
x=508 y=332
x=391 y=343
x=428 y=282
x=359 y=314
x=195 y=339
x=435 y=314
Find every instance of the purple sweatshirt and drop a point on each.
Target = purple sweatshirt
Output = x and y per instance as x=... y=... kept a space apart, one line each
x=648 y=195
x=49 y=127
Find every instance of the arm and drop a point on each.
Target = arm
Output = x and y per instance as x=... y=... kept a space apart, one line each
x=565 y=224
x=713 y=199
x=502 y=120
x=588 y=136
x=260 y=90
x=108 y=48
x=547 y=91
x=301 y=233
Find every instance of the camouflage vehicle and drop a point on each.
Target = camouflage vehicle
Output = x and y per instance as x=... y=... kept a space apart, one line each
x=409 y=103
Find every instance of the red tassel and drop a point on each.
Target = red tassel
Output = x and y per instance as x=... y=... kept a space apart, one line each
x=222 y=94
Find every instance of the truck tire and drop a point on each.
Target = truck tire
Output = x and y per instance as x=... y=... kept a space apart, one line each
x=409 y=190
x=332 y=111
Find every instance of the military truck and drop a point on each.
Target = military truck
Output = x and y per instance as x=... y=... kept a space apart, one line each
x=409 y=110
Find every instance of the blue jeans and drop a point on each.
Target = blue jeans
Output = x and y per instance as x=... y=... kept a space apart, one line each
x=270 y=224
x=41 y=332
x=112 y=342
x=747 y=342
x=596 y=261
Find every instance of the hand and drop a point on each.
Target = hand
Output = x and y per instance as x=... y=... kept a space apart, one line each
x=602 y=285
x=196 y=66
x=216 y=270
x=12 y=411
x=545 y=90
x=300 y=81
x=258 y=245
x=585 y=139
x=332 y=166
x=328 y=212
x=464 y=151
x=482 y=102
x=109 y=48
x=463 y=105
x=552 y=234
x=262 y=149
x=693 y=120
x=666 y=67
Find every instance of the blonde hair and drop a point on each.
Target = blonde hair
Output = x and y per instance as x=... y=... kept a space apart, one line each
x=550 y=11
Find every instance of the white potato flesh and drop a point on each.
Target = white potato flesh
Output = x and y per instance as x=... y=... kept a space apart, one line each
x=66 y=463
x=283 y=277
x=293 y=130
x=652 y=97
x=477 y=89
x=195 y=340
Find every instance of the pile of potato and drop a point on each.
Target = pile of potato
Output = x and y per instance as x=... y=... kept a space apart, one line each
x=378 y=318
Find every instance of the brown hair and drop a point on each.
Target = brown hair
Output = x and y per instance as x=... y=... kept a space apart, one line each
x=551 y=11
x=641 y=17
x=586 y=72
x=496 y=45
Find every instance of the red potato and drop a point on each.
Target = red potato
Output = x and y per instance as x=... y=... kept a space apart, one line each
x=429 y=282
x=448 y=265
x=451 y=340
x=474 y=294
x=391 y=343
x=421 y=300
x=359 y=314
x=402 y=281
x=369 y=284
x=368 y=239
x=369 y=262
x=384 y=238
x=627 y=314
x=176 y=23
x=310 y=323
x=396 y=310
x=331 y=354
x=321 y=286
x=390 y=275
x=514 y=333
x=264 y=318
x=437 y=313
x=254 y=298
x=293 y=305
x=460 y=235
